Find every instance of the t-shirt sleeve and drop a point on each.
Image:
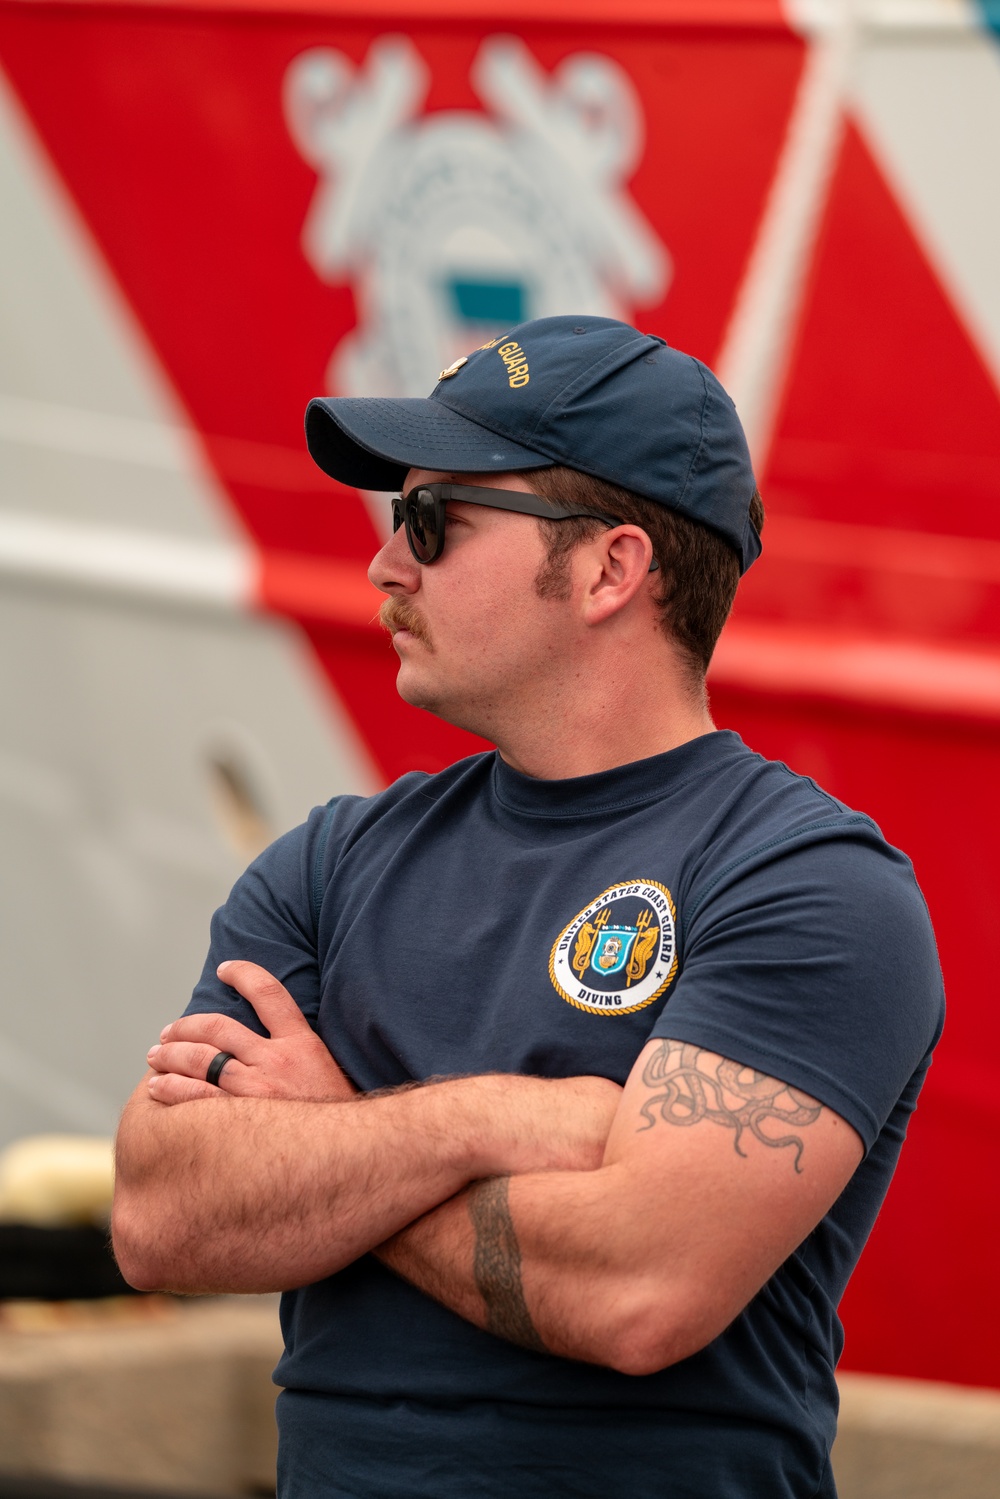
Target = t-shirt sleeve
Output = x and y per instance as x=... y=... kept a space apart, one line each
x=268 y=919
x=814 y=961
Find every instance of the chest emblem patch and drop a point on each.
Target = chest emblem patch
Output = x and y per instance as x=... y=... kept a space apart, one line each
x=620 y=953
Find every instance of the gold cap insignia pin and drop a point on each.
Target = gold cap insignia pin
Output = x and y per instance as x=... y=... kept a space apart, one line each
x=453 y=369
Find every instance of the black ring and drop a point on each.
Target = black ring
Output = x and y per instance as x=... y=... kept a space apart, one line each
x=216 y=1065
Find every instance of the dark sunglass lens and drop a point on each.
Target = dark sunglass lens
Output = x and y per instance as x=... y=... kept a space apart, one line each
x=422 y=524
x=397 y=514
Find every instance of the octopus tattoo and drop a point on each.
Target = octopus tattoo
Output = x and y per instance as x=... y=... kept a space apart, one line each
x=689 y=1089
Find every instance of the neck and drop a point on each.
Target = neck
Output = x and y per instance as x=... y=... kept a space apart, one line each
x=589 y=728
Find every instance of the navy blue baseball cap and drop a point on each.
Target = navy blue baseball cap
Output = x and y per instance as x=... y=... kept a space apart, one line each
x=588 y=392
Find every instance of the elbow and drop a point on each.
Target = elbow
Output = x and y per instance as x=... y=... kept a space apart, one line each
x=639 y=1351
x=141 y=1248
x=650 y=1332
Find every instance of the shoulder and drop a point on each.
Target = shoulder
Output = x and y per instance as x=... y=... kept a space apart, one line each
x=799 y=873
x=799 y=860
x=349 y=824
x=807 y=947
x=407 y=797
x=764 y=814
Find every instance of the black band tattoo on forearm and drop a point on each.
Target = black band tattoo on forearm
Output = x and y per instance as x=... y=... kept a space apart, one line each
x=497 y=1265
x=691 y=1085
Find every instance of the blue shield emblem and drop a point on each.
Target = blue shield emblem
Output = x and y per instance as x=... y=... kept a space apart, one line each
x=612 y=948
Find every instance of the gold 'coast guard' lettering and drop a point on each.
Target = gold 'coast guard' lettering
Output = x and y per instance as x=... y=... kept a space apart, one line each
x=516 y=361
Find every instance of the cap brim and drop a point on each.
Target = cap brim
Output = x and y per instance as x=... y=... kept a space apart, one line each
x=371 y=442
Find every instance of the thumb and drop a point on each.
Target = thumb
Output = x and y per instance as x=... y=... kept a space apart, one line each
x=275 y=1007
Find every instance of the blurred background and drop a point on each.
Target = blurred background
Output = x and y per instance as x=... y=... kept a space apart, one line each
x=209 y=213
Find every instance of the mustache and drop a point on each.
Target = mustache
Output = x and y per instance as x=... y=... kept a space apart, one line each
x=400 y=614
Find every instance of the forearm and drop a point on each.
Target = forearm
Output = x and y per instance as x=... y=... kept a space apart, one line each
x=534 y=1259
x=239 y=1194
x=436 y=1253
x=248 y=1194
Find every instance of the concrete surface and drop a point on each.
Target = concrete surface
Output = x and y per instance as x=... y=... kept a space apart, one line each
x=911 y=1439
x=182 y=1401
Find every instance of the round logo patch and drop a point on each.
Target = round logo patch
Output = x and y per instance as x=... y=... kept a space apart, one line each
x=620 y=953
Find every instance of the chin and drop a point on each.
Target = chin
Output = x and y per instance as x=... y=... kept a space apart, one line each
x=418 y=694
x=461 y=715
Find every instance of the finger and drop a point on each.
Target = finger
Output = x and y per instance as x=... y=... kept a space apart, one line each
x=244 y=1082
x=276 y=1008
x=186 y=1058
x=221 y=1032
x=170 y=1087
x=191 y=1063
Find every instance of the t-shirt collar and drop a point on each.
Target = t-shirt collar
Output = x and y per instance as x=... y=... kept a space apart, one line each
x=609 y=790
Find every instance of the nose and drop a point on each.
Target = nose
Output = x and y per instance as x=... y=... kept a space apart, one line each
x=394 y=569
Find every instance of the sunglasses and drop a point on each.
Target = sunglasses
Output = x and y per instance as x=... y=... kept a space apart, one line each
x=423 y=512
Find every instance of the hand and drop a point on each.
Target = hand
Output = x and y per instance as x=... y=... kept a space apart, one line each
x=292 y=1062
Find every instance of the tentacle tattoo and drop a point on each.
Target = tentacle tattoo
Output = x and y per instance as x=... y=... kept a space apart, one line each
x=692 y=1085
x=497 y=1265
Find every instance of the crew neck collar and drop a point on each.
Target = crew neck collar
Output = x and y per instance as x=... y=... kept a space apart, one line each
x=610 y=790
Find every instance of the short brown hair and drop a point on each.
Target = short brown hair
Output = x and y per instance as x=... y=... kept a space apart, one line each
x=699 y=571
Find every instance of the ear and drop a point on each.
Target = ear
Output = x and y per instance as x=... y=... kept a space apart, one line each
x=616 y=569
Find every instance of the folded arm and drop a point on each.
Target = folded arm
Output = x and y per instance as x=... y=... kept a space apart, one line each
x=280 y=1177
x=496 y=1195
x=713 y=1174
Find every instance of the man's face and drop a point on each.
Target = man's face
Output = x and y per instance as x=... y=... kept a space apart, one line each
x=476 y=642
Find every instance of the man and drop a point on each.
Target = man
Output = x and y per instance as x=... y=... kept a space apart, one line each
x=675 y=1002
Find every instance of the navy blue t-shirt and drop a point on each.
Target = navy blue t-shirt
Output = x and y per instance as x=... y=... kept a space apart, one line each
x=480 y=920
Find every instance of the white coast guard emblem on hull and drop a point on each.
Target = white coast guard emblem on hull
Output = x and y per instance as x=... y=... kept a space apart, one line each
x=620 y=953
x=455 y=226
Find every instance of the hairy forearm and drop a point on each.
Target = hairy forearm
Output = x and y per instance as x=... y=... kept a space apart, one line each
x=534 y=1259
x=235 y=1194
x=467 y=1255
x=436 y=1254
x=247 y=1194
x=576 y=1263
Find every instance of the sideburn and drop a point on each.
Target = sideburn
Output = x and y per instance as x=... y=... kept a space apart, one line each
x=562 y=537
